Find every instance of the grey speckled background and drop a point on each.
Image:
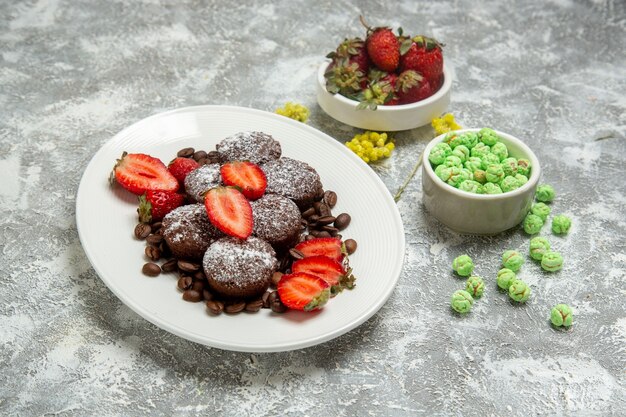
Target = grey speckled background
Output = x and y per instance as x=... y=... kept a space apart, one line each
x=73 y=73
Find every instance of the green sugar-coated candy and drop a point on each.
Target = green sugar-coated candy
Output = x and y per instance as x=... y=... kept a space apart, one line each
x=444 y=173
x=471 y=187
x=473 y=163
x=519 y=291
x=480 y=176
x=545 y=193
x=438 y=170
x=500 y=150
x=489 y=159
x=542 y=210
x=475 y=286
x=509 y=184
x=561 y=315
x=523 y=167
x=456 y=176
x=552 y=261
x=509 y=165
x=449 y=137
x=462 y=152
x=521 y=179
x=457 y=141
x=461 y=301
x=463 y=265
x=453 y=161
x=488 y=136
x=491 y=188
x=532 y=224
x=561 y=224
x=439 y=152
x=538 y=247
x=480 y=150
x=505 y=278
x=470 y=139
x=494 y=173
x=512 y=260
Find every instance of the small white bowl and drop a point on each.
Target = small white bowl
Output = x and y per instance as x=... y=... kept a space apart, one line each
x=480 y=214
x=384 y=118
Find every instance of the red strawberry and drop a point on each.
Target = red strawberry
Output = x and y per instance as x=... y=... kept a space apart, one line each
x=302 y=291
x=412 y=87
x=425 y=56
x=353 y=51
x=229 y=211
x=138 y=173
x=154 y=205
x=380 y=91
x=247 y=176
x=324 y=246
x=383 y=47
x=180 y=167
x=328 y=269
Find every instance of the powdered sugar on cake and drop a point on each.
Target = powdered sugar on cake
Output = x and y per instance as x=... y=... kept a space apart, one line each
x=257 y=147
x=276 y=218
x=293 y=179
x=201 y=180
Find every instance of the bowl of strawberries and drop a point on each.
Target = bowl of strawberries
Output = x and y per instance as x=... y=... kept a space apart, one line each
x=387 y=82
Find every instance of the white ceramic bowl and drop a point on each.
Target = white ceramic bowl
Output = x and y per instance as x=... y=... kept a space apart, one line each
x=384 y=118
x=481 y=214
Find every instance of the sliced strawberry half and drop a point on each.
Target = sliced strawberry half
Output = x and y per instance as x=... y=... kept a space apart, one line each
x=180 y=167
x=154 y=205
x=245 y=175
x=302 y=291
x=229 y=210
x=324 y=246
x=328 y=269
x=138 y=173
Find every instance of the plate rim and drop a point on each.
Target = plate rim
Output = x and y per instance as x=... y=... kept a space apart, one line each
x=192 y=335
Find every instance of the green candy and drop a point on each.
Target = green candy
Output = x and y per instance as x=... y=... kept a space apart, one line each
x=512 y=260
x=561 y=315
x=500 y=150
x=462 y=152
x=489 y=159
x=532 y=224
x=491 y=188
x=470 y=139
x=521 y=179
x=494 y=173
x=471 y=187
x=453 y=161
x=473 y=163
x=505 y=278
x=488 y=136
x=480 y=176
x=456 y=176
x=552 y=261
x=523 y=167
x=475 y=286
x=457 y=141
x=542 y=210
x=480 y=150
x=544 y=193
x=438 y=170
x=509 y=184
x=509 y=165
x=538 y=247
x=449 y=137
x=439 y=152
x=461 y=301
x=463 y=265
x=561 y=224
x=519 y=291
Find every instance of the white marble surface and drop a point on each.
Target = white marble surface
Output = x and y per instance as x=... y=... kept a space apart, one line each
x=73 y=73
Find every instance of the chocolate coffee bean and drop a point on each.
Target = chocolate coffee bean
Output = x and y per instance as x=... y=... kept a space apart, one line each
x=278 y=307
x=343 y=220
x=235 y=308
x=198 y=286
x=142 y=230
x=273 y=296
x=254 y=306
x=308 y=212
x=186 y=152
x=296 y=254
x=151 y=269
x=215 y=307
x=188 y=266
x=157 y=225
x=309 y=237
x=276 y=277
x=350 y=246
x=322 y=221
x=153 y=253
x=266 y=299
x=198 y=155
x=154 y=239
x=199 y=275
x=330 y=198
x=207 y=295
x=192 y=296
x=324 y=210
x=316 y=206
x=330 y=229
x=323 y=233
x=170 y=266
x=214 y=157
x=185 y=283
x=203 y=161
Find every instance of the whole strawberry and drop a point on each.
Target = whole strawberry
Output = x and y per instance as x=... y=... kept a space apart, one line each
x=383 y=47
x=154 y=205
x=344 y=78
x=180 y=167
x=425 y=56
x=378 y=92
x=351 y=51
x=412 y=87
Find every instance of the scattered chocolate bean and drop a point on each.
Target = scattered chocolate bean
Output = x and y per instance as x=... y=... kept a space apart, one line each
x=188 y=266
x=203 y=161
x=198 y=155
x=330 y=229
x=170 y=266
x=186 y=152
x=157 y=225
x=316 y=206
x=324 y=210
x=309 y=237
x=214 y=157
x=330 y=198
x=192 y=295
x=265 y=299
x=323 y=233
x=151 y=269
x=350 y=246
x=254 y=306
x=198 y=286
x=199 y=275
x=322 y=221
x=215 y=307
x=207 y=295
x=276 y=277
x=153 y=253
x=142 y=230
x=185 y=283
x=235 y=308
x=278 y=307
x=308 y=212
x=154 y=239
x=273 y=296
x=313 y=219
x=343 y=220
x=296 y=254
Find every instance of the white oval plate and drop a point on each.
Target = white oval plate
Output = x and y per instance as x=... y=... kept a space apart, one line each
x=106 y=217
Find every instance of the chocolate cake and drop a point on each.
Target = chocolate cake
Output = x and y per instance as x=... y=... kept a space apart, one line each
x=201 y=180
x=276 y=220
x=257 y=147
x=293 y=179
x=188 y=231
